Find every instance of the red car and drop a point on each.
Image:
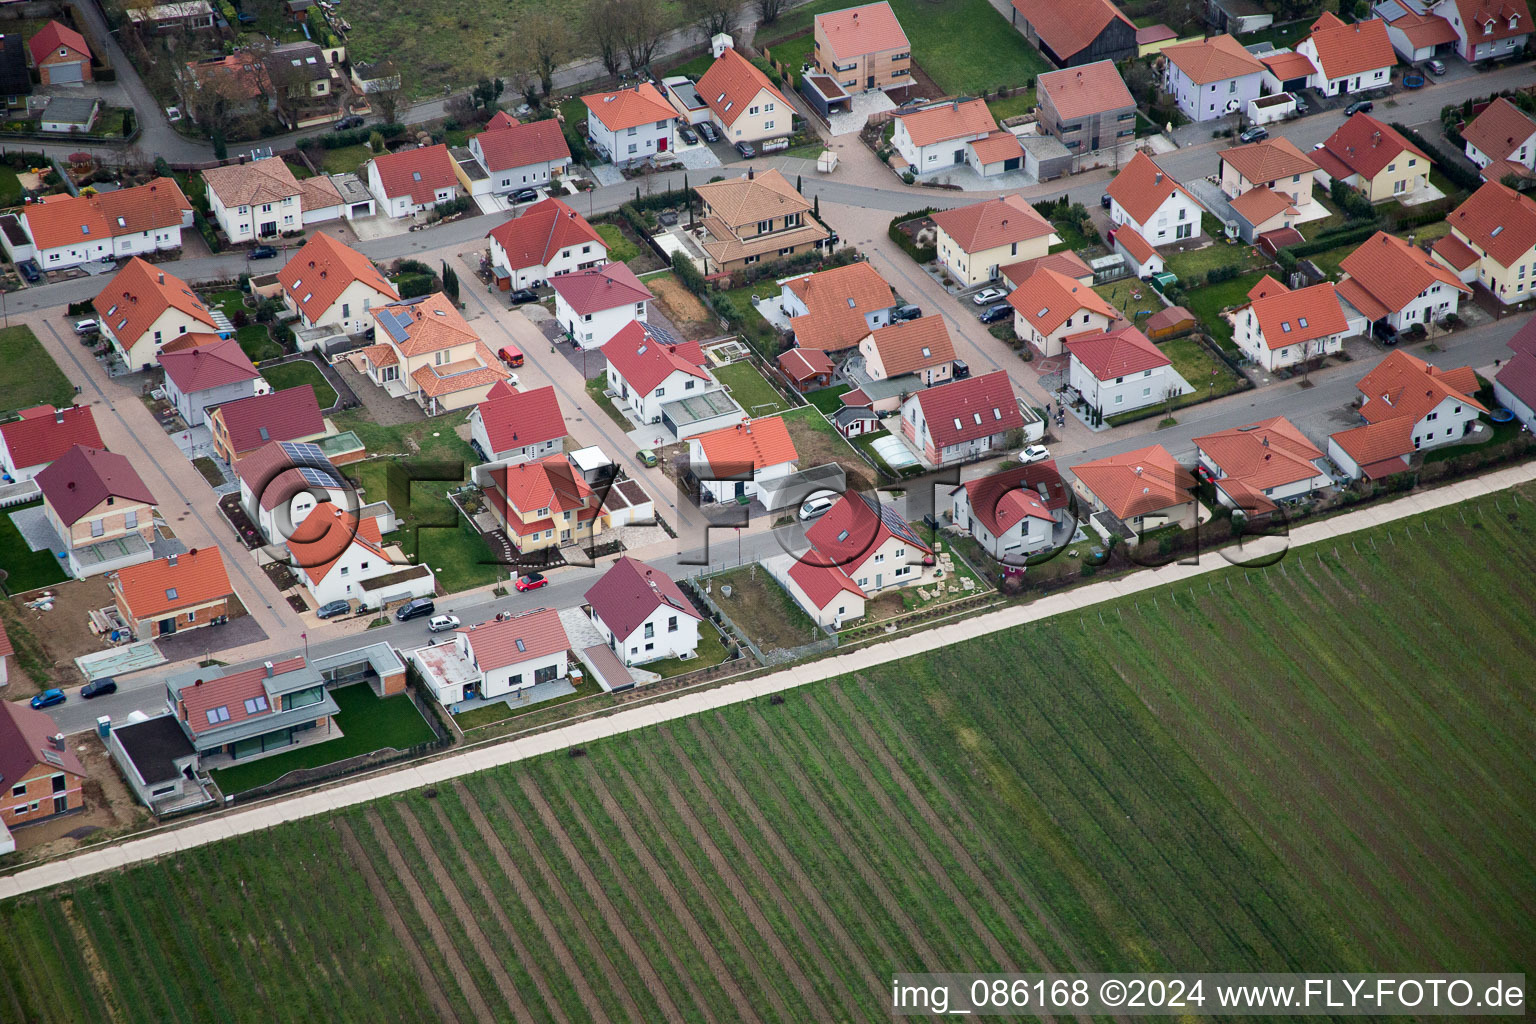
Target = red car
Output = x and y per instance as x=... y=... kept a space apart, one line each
x=531 y=581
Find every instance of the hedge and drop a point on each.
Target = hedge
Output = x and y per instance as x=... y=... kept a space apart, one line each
x=411 y=286
x=358 y=136
x=1458 y=175
x=1332 y=240
x=920 y=253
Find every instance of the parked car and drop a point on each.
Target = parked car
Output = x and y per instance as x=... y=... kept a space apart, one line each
x=746 y=149
x=525 y=195
x=816 y=505
x=98 y=688
x=908 y=312
x=512 y=380
x=531 y=581
x=332 y=609
x=992 y=314
x=1301 y=104
x=647 y=458
x=87 y=327
x=988 y=295
x=962 y=369
x=1034 y=453
x=1254 y=134
x=48 y=698
x=263 y=252
x=440 y=623
x=350 y=121
x=415 y=609
x=1104 y=200
x=707 y=130
x=511 y=355
x=1359 y=107
x=1385 y=332
x=1436 y=67
x=687 y=134
x=30 y=270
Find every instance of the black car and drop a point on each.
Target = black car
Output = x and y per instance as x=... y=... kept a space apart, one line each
x=333 y=608
x=263 y=252
x=687 y=134
x=1359 y=107
x=707 y=130
x=746 y=150
x=909 y=312
x=525 y=195
x=962 y=369
x=350 y=121
x=29 y=270
x=521 y=296
x=1104 y=200
x=992 y=314
x=98 y=688
x=415 y=609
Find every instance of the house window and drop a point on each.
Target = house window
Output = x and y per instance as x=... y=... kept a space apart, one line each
x=752 y=110
x=98 y=528
x=650 y=630
x=131 y=519
x=672 y=624
x=20 y=790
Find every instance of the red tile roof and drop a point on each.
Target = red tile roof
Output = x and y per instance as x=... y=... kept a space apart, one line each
x=1351 y=49
x=319 y=541
x=231 y=692
x=993 y=222
x=1002 y=500
x=26 y=741
x=1518 y=374
x=1265 y=287
x=1500 y=12
x=1131 y=240
x=1136 y=483
x=854 y=528
x=953 y=120
x=1258 y=205
x=823 y=583
x=607 y=287
x=1068 y=28
x=1288 y=318
x=6 y=650
x=627 y=594
x=1142 y=187
x=646 y=362
x=208 y=366
x=62 y=220
x=541 y=231
x=751 y=446
x=277 y=416
x=1499 y=221
x=997 y=147
x=1288 y=65
x=964 y=410
x=1423 y=30
x=166 y=585
x=1454 y=252
x=523 y=637
x=44 y=433
x=139 y=293
x=273 y=473
x=190 y=340
x=1393 y=273
x=856 y=31
x=1363 y=145
x=1047 y=298
x=913 y=345
x=322 y=269
x=1067 y=264
x=419 y=173
x=1116 y=353
x=82 y=478
x=1217 y=59
x=1269 y=160
x=54 y=36
x=544 y=483
x=419 y=326
x=836 y=302
x=1269 y=453
x=1406 y=387
x=519 y=418
x=803 y=364
x=1083 y=91
x=731 y=84
x=630 y=107
x=523 y=145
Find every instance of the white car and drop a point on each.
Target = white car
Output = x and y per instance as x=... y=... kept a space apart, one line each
x=987 y=295
x=86 y=327
x=511 y=380
x=440 y=623
x=1034 y=453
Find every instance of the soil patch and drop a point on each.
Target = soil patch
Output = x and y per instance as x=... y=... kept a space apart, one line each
x=64 y=633
x=110 y=808
x=817 y=442
x=683 y=308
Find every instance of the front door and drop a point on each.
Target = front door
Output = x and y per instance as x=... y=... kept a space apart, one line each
x=871 y=83
x=661 y=145
x=60 y=804
x=167 y=626
x=878 y=577
x=268 y=228
x=959 y=156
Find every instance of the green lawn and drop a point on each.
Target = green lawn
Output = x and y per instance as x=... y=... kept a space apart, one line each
x=794 y=52
x=367 y=724
x=298 y=373
x=620 y=249
x=751 y=391
x=595 y=389
x=346 y=159
x=693 y=68
x=1192 y=266
x=1071 y=235
x=1123 y=296
x=1208 y=375
x=229 y=302
x=1281 y=35
x=1329 y=260
x=710 y=652
x=26 y=569
x=10 y=187
x=828 y=400
x=30 y=377
x=1206 y=302
x=1021 y=102
x=257 y=343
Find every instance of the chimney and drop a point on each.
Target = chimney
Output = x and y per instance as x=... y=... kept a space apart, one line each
x=1138 y=471
x=58 y=415
x=197 y=682
x=58 y=741
x=170 y=560
x=1264 y=441
x=268 y=667
x=751 y=174
x=1159 y=179
x=162 y=277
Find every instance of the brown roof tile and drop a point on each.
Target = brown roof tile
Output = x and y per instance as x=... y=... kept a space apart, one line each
x=1136 y=483
x=1068 y=28
x=1269 y=160
x=1217 y=59
x=1499 y=221
x=1086 y=90
x=855 y=31
x=1349 y=49
x=1142 y=186
x=731 y=84
x=993 y=222
x=953 y=120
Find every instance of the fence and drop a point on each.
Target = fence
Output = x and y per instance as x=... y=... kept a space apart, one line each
x=767 y=659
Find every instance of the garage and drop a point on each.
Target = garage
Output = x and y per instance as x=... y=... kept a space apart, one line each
x=66 y=73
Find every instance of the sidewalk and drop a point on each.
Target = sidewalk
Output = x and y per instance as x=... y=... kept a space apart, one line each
x=496 y=754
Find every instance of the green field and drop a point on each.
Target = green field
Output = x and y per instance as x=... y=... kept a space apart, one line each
x=751 y=391
x=25 y=569
x=1207 y=301
x=31 y=377
x=1268 y=769
x=297 y=373
x=345 y=159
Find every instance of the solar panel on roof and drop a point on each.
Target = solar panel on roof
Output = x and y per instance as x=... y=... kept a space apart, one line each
x=661 y=334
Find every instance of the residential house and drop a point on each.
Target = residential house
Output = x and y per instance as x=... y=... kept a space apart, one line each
x=330 y=284
x=1279 y=328
x=166 y=19
x=1514 y=386
x=65 y=231
x=825 y=592
x=32 y=443
x=143 y=307
x=869 y=541
x=743 y=461
x=1066 y=263
x=516 y=426
x=499 y=658
x=262 y=199
x=1416 y=35
x=741 y=100
x=661 y=380
x=6 y=651
x=1211 y=78
x=1147 y=198
x=1398 y=285
x=546 y=240
x=1270 y=186
x=1349 y=57
x=247 y=424
x=1144 y=490
x=595 y=304
x=1502 y=141
x=755 y=216
x=1286 y=71
x=412 y=180
x=15 y=82
x=632 y=123
x=1050 y=307
x=196 y=378
x=938 y=138
x=339 y=556
x=1255 y=467
x=159 y=764
x=1015 y=513
x=833 y=310
x=60 y=55
x=1087 y=108
x=920 y=347
x=962 y=420
x=1486 y=29
x=1493 y=242
x=425 y=350
x=1121 y=371
x=230 y=714
x=1374 y=158
x=807 y=369
x=1407 y=405
x=100 y=509
x=1142 y=260
x=518 y=156
x=544 y=503
x=174 y=593
x=40 y=775
x=863 y=48
x=974 y=242
x=282 y=482
x=642 y=613
x=1072 y=34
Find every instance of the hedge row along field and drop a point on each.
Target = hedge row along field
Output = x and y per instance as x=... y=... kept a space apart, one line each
x=1320 y=765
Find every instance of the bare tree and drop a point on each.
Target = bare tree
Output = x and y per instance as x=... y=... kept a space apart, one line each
x=550 y=40
x=221 y=104
x=601 y=29
x=642 y=23
x=713 y=16
x=768 y=11
x=390 y=98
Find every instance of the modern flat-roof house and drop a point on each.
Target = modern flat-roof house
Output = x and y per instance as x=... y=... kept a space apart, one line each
x=1407 y=405
x=756 y=217
x=143 y=307
x=963 y=420
x=594 y=305
x=1087 y=108
x=742 y=101
x=1255 y=467
x=1147 y=198
x=426 y=351
x=545 y=241
x=518 y=156
x=863 y=48
x=833 y=310
x=1349 y=57
x=1015 y=513
x=938 y=138
x=974 y=242
x=60 y=55
x=1049 y=308
x=1279 y=327
x=40 y=772
x=174 y=593
x=330 y=284
x=499 y=658
x=1120 y=371
x=1501 y=141
x=1072 y=34
x=632 y=123
x=248 y=424
x=100 y=509
x=65 y=231
x=1493 y=242
x=204 y=375
x=1374 y=158
x=412 y=180
x=1141 y=490
x=1211 y=78
x=30 y=444
x=515 y=426
x=1514 y=386
x=1398 y=285
x=160 y=19
x=643 y=614
x=745 y=461
x=233 y=713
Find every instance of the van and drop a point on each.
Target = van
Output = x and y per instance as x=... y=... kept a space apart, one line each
x=816 y=506
x=415 y=609
x=511 y=355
